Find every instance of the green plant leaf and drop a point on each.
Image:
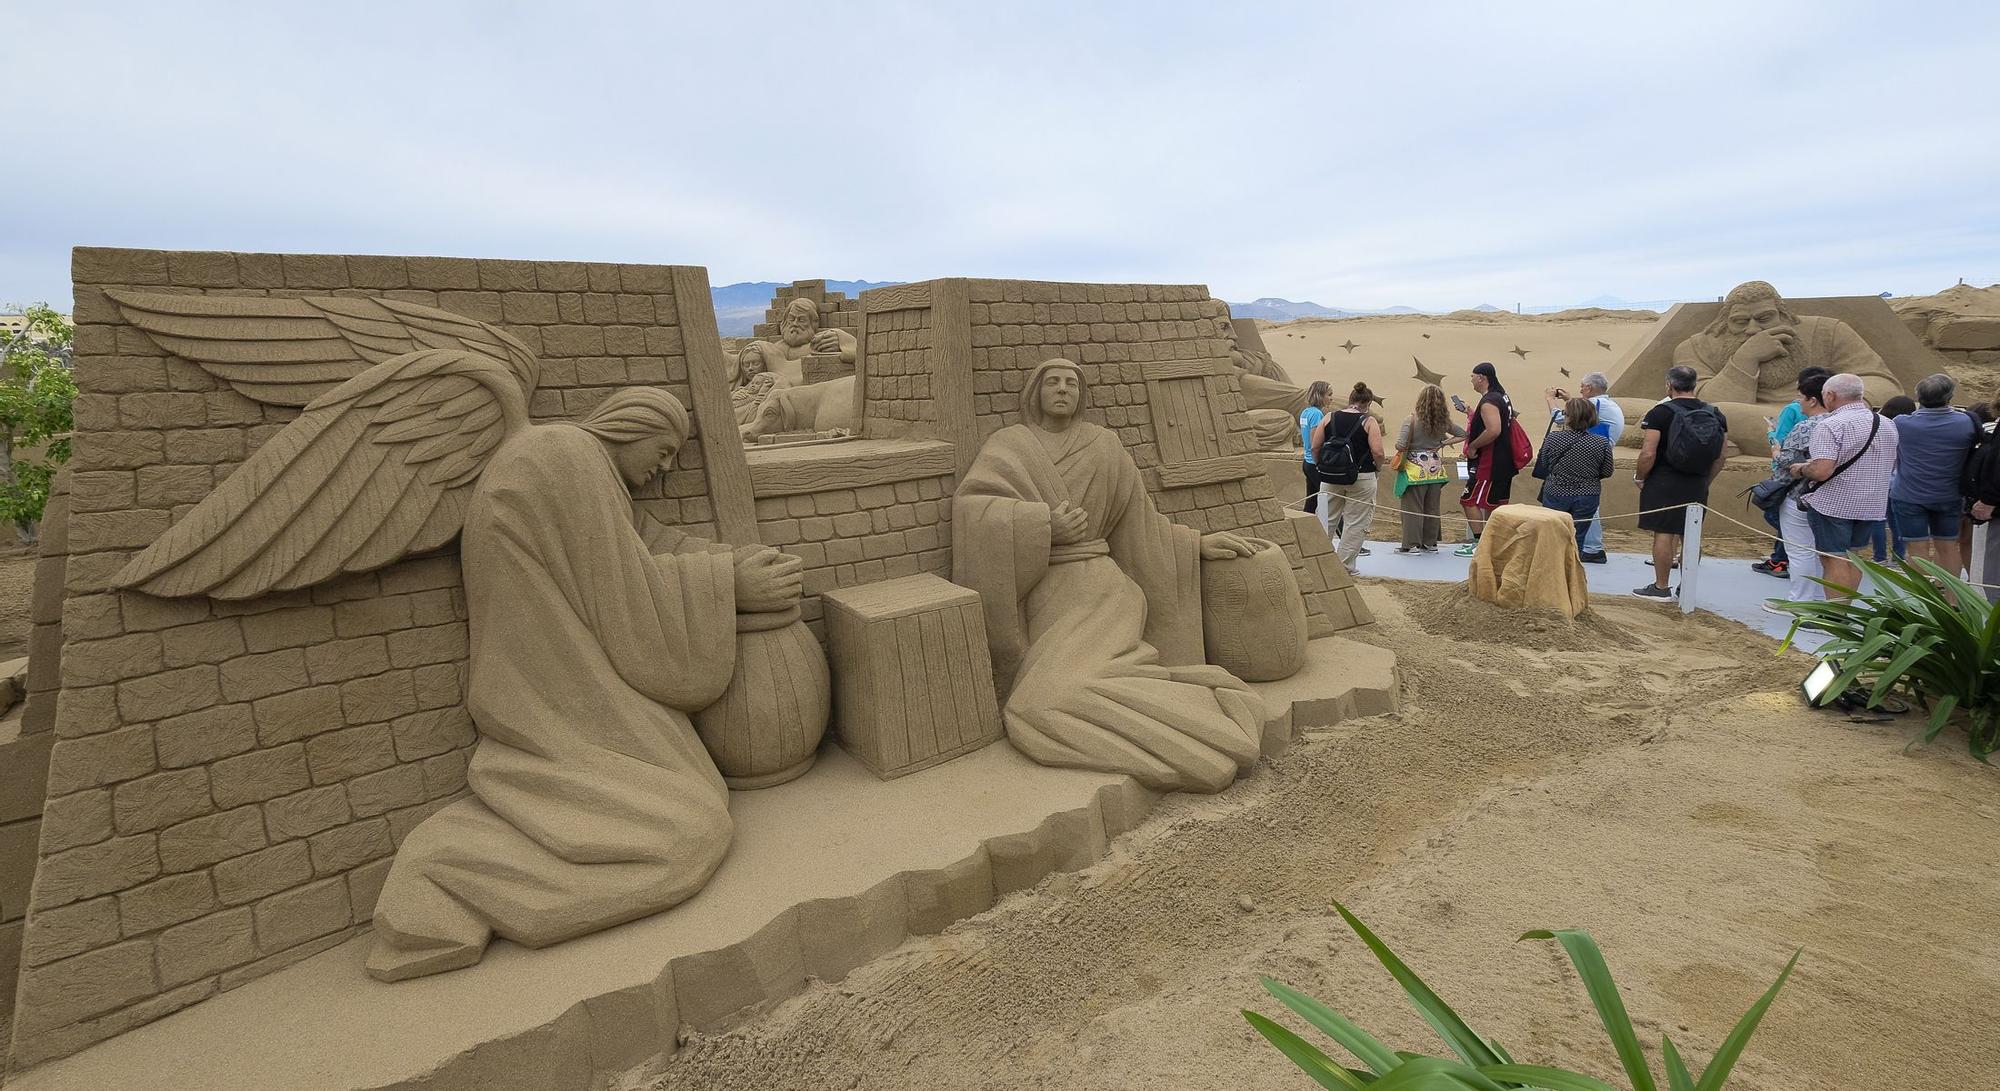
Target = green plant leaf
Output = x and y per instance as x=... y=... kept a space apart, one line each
x=1305 y=1055
x=1420 y=1073
x=1461 y=1038
x=1362 y=1044
x=1590 y=966
x=1536 y=1075
x=1678 y=1077
x=1717 y=1072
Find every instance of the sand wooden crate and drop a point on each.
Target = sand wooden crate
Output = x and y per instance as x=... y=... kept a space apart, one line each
x=913 y=681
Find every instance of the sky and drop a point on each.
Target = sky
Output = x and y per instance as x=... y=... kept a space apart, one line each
x=1435 y=155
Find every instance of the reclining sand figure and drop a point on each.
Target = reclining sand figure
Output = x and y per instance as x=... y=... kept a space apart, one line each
x=1093 y=602
x=801 y=337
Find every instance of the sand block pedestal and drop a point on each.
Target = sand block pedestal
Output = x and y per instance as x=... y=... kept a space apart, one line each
x=826 y=873
x=913 y=679
x=1527 y=559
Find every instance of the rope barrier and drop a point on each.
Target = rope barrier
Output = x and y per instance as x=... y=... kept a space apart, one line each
x=1790 y=545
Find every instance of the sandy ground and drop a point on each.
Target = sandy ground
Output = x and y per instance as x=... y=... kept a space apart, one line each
x=1651 y=778
x=17 y=592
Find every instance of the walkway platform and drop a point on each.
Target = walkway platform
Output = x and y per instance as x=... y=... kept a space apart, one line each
x=827 y=873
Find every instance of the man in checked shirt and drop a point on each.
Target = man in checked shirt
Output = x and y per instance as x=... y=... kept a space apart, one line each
x=1853 y=455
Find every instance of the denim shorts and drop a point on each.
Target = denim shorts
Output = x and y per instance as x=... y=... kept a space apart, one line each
x=1921 y=522
x=1832 y=534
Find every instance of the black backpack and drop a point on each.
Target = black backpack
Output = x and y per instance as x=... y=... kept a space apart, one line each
x=1980 y=480
x=1695 y=441
x=1335 y=457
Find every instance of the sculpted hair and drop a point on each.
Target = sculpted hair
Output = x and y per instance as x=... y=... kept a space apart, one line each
x=637 y=412
x=1750 y=291
x=1681 y=379
x=805 y=306
x=1433 y=415
x=1580 y=414
x=1934 y=391
x=1031 y=391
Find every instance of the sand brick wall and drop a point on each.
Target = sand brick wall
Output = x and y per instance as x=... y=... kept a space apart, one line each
x=1157 y=361
x=898 y=398
x=852 y=536
x=230 y=779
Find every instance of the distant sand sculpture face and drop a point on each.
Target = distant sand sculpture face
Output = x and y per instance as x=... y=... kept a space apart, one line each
x=1748 y=360
x=1755 y=348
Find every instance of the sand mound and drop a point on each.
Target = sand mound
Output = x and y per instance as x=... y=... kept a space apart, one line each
x=1654 y=780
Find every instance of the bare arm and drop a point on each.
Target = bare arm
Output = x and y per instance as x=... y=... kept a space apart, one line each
x=1489 y=417
x=1374 y=430
x=1649 y=450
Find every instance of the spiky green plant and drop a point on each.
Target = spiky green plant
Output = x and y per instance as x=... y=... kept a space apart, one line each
x=1920 y=630
x=1481 y=1065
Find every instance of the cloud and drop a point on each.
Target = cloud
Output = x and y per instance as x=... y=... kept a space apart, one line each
x=1439 y=156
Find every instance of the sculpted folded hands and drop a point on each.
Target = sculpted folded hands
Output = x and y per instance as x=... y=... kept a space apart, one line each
x=766 y=580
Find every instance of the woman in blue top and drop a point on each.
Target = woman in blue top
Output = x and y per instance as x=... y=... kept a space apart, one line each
x=1317 y=397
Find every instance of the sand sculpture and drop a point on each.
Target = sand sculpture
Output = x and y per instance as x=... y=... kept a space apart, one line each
x=800 y=337
x=1274 y=401
x=1093 y=602
x=1749 y=350
x=593 y=801
x=1527 y=559
x=261 y=653
x=777 y=385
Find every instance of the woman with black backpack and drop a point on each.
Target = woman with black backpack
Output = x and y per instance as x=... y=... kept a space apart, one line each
x=1347 y=445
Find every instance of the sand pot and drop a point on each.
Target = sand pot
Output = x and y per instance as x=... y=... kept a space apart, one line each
x=766 y=727
x=1253 y=621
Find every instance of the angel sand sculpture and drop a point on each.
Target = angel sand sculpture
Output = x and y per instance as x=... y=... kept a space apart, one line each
x=1093 y=602
x=593 y=801
x=1749 y=358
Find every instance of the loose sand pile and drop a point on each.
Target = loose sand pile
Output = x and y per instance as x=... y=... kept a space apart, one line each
x=1648 y=777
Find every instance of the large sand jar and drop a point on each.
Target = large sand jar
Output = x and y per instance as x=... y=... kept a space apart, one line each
x=1253 y=621
x=766 y=727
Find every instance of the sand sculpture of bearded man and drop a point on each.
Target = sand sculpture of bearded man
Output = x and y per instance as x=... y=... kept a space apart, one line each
x=800 y=336
x=1093 y=602
x=1749 y=358
x=593 y=802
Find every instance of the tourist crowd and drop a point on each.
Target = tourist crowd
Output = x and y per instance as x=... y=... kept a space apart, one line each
x=1914 y=477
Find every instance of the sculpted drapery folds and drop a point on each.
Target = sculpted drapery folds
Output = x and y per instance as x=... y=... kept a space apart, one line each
x=592 y=800
x=1093 y=602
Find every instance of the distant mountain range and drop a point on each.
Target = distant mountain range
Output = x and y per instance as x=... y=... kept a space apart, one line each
x=1275 y=309
x=739 y=307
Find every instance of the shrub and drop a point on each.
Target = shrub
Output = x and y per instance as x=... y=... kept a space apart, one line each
x=1481 y=1064
x=36 y=391
x=1922 y=631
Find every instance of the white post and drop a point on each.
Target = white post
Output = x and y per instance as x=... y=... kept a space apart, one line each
x=1690 y=557
x=1977 y=565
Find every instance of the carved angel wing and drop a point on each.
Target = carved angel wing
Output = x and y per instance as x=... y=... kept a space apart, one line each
x=379 y=467
x=290 y=351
